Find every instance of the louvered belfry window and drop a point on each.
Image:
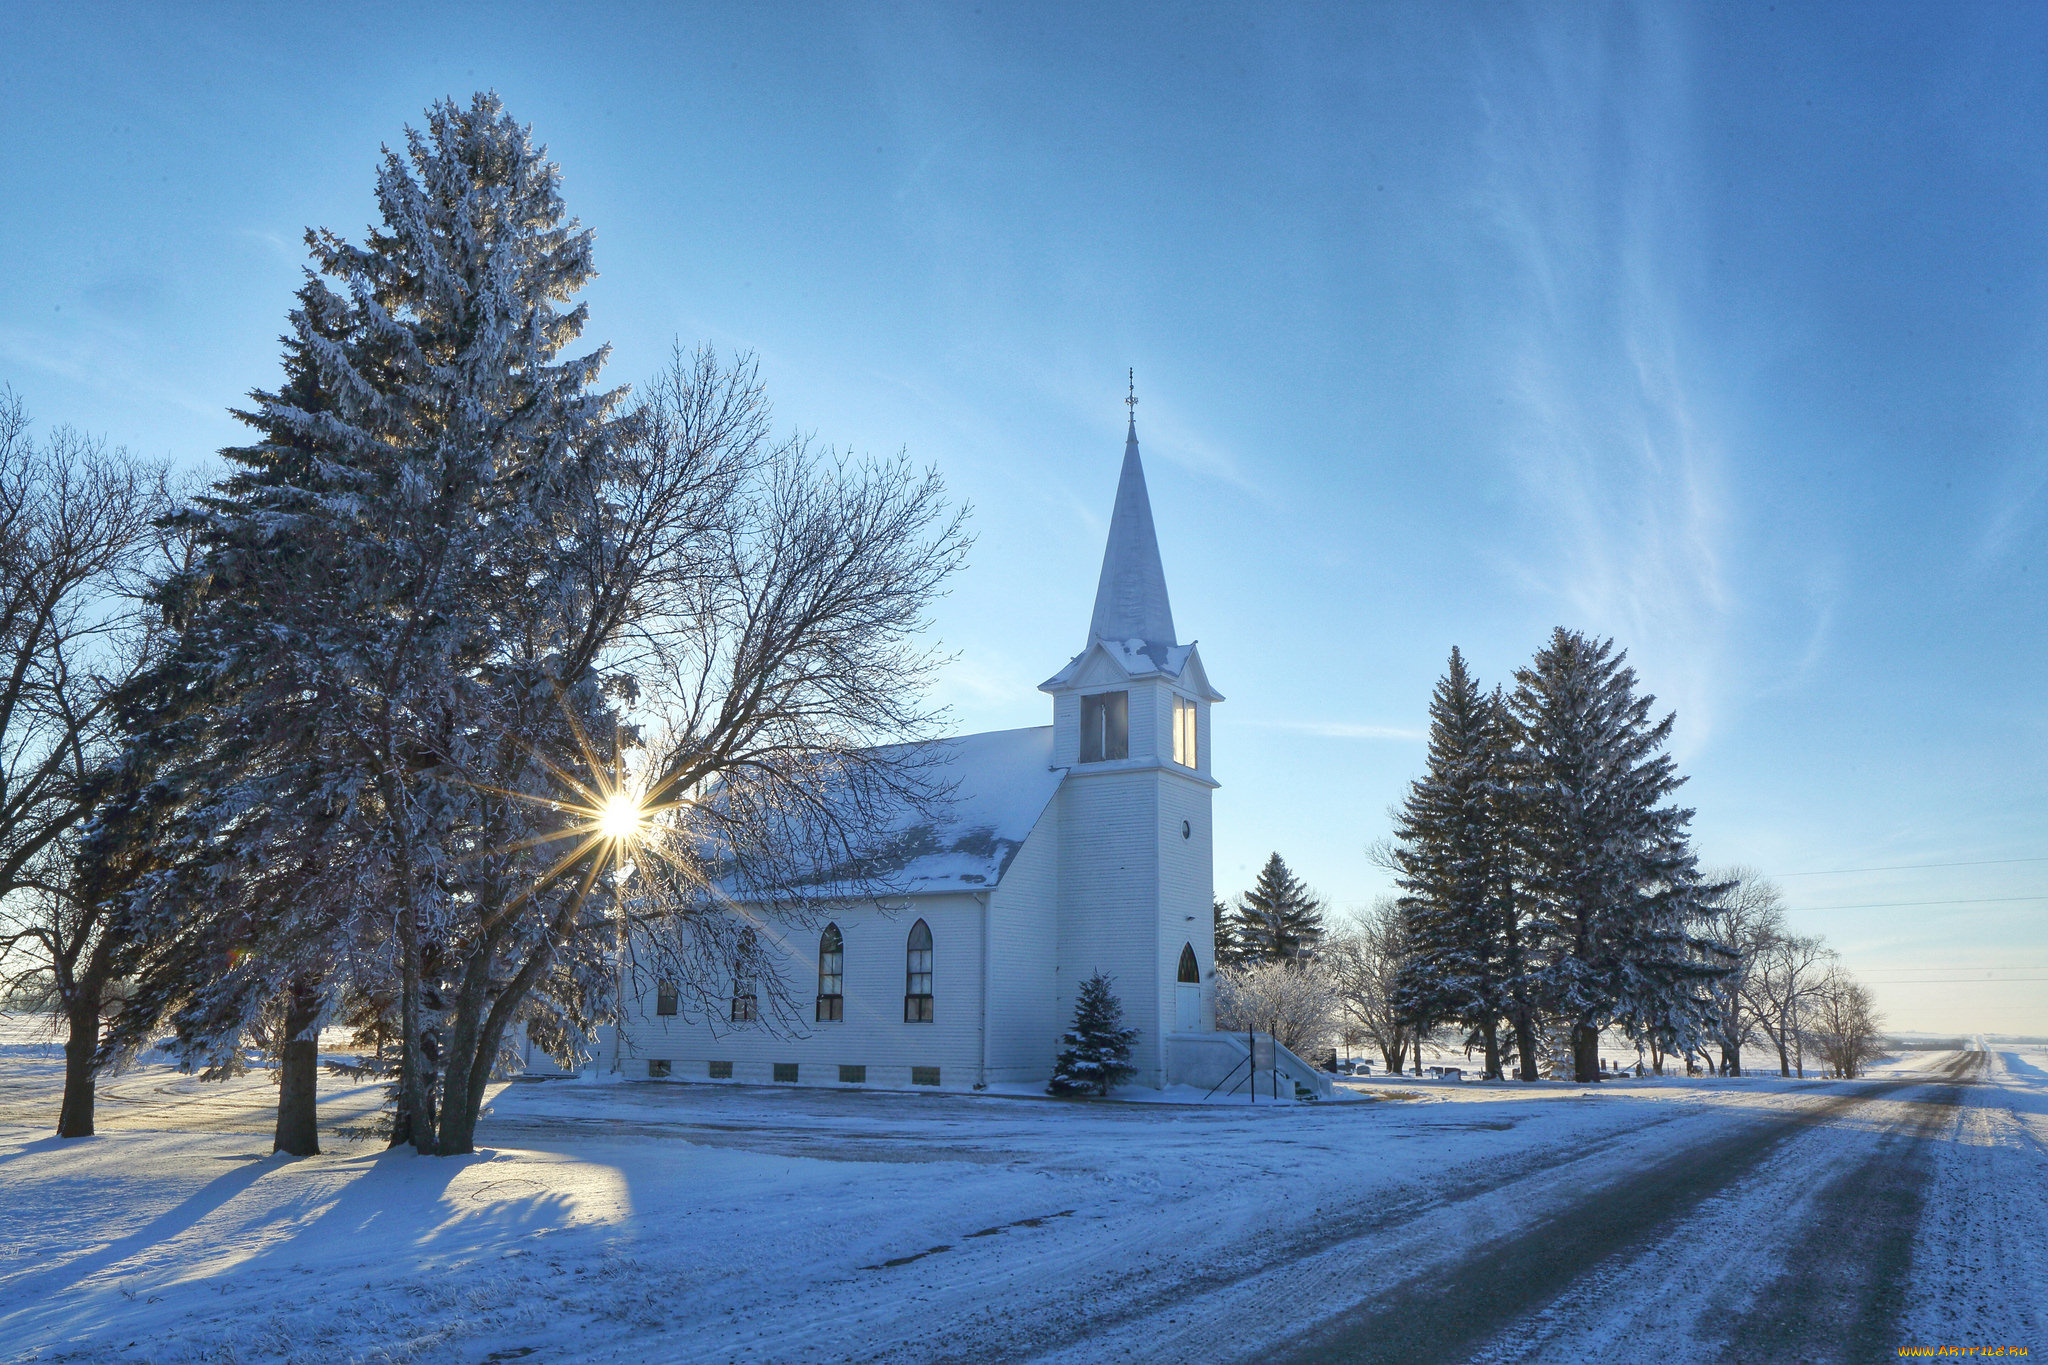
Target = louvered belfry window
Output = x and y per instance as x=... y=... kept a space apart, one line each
x=1105 y=727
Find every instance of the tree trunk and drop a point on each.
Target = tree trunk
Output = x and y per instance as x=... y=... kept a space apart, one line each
x=298 y=1129
x=81 y=1062
x=1585 y=1053
x=413 y=1123
x=461 y=1100
x=1525 y=1045
x=1491 y=1030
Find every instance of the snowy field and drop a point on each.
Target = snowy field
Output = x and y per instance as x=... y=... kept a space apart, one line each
x=648 y=1221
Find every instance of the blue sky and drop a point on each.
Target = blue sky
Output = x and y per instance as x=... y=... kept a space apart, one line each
x=1717 y=329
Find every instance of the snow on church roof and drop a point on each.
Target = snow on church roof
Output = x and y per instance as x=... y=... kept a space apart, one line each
x=1136 y=658
x=1002 y=781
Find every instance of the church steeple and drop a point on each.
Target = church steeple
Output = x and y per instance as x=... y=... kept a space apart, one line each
x=1130 y=597
x=1131 y=635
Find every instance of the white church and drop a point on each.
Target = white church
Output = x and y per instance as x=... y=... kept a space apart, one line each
x=1070 y=848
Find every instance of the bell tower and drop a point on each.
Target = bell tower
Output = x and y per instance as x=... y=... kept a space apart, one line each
x=1131 y=727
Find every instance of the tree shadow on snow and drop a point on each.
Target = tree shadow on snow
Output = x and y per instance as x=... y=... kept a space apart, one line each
x=2030 y=1095
x=402 y=1203
x=34 y=1291
x=53 y=1143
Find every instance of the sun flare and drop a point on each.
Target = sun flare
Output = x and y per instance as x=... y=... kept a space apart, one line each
x=621 y=817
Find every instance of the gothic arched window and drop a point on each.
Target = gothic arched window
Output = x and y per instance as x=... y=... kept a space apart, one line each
x=1187 y=992
x=917 y=975
x=746 y=1005
x=831 y=975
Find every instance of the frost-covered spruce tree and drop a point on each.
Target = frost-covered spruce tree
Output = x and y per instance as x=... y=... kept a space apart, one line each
x=244 y=870
x=474 y=636
x=382 y=601
x=1096 y=1053
x=1455 y=848
x=483 y=566
x=1278 y=920
x=1615 y=884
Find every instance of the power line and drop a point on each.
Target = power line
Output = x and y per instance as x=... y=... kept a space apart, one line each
x=1907 y=867
x=1958 y=967
x=1954 y=981
x=1887 y=905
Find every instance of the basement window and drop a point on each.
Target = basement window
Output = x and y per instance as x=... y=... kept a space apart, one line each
x=786 y=1072
x=924 y=1075
x=1105 y=727
x=853 y=1075
x=721 y=1071
x=657 y=1069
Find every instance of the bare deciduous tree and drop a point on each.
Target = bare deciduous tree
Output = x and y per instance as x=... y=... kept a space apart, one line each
x=1842 y=1021
x=77 y=541
x=1364 y=958
x=1780 y=987
x=1747 y=918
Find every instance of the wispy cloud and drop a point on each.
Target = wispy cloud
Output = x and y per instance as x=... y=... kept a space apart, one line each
x=98 y=362
x=2015 y=507
x=1613 y=445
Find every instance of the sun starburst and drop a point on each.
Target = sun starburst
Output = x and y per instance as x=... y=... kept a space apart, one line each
x=622 y=821
x=612 y=822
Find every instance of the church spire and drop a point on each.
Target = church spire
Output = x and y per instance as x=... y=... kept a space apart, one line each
x=1130 y=598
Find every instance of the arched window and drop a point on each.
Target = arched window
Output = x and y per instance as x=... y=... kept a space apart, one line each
x=831 y=975
x=745 y=1005
x=1187 y=992
x=917 y=976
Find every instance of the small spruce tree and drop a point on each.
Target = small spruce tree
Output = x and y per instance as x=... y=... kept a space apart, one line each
x=1278 y=920
x=1096 y=1053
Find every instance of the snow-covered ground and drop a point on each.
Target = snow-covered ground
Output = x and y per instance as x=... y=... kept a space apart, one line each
x=655 y=1221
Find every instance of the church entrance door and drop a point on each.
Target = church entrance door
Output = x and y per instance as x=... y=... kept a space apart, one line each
x=1187 y=1007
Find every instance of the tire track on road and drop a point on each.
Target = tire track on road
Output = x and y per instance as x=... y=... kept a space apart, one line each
x=1843 y=1289
x=1512 y=1279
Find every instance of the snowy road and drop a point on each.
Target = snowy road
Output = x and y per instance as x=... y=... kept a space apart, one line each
x=1788 y=1238
x=1745 y=1220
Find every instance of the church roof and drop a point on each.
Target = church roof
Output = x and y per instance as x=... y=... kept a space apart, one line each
x=1002 y=781
x=1130 y=597
x=1137 y=660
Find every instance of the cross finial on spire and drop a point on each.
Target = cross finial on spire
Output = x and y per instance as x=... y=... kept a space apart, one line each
x=1132 y=401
